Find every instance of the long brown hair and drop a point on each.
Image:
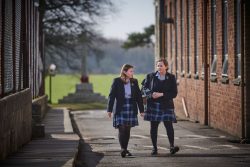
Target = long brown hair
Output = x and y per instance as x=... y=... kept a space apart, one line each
x=164 y=61
x=125 y=68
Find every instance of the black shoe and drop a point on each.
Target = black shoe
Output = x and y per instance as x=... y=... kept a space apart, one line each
x=123 y=153
x=154 y=152
x=174 y=150
x=128 y=153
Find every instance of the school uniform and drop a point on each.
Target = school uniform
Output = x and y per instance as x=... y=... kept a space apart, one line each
x=124 y=101
x=161 y=109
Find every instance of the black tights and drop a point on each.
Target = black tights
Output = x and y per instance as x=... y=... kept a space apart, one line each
x=154 y=131
x=124 y=135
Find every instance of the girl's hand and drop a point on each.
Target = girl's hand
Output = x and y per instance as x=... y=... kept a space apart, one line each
x=156 y=95
x=109 y=114
x=142 y=114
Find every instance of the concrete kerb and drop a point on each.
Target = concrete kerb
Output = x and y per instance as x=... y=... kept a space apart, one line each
x=76 y=162
x=71 y=127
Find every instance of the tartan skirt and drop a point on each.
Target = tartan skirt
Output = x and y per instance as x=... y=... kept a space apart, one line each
x=155 y=113
x=126 y=116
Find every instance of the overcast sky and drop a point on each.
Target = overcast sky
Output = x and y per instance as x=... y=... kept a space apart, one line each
x=132 y=16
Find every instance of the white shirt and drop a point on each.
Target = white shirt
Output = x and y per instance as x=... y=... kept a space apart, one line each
x=160 y=77
x=127 y=88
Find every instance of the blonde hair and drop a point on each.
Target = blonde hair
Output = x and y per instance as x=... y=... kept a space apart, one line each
x=125 y=68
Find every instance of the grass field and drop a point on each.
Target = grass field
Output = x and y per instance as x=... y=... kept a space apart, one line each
x=64 y=84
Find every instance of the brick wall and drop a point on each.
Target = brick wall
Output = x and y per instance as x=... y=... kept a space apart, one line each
x=15 y=122
x=224 y=99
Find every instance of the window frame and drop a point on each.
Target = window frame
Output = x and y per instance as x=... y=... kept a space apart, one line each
x=225 y=42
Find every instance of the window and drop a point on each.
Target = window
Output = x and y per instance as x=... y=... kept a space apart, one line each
x=171 y=39
x=166 y=32
x=238 y=39
x=188 y=41
x=213 y=40
x=176 y=38
x=204 y=28
x=8 y=48
x=182 y=37
x=196 y=39
x=225 y=43
x=17 y=46
x=161 y=32
x=1 y=59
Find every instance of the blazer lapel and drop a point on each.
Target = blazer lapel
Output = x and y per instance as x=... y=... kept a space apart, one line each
x=132 y=89
x=121 y=86
x=167 y=79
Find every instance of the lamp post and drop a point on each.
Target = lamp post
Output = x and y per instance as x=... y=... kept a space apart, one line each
x=52 y=72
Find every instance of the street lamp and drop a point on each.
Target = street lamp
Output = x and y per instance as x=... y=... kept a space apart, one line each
x=52 y=72
x=36 y=3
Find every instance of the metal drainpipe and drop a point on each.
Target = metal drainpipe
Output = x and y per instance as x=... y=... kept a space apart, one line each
x=243 y=136
x=205 y=63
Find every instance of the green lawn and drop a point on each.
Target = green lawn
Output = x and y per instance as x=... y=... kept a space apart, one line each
x=64 y=84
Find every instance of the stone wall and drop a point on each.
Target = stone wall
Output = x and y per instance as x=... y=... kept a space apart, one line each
x=15 y=121
x=39 y=106
x=39 y=110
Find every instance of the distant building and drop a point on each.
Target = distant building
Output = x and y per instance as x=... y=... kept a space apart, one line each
x=21 y=72
x=206 y=43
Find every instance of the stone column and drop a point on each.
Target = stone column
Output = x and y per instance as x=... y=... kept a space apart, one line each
x=84 y=73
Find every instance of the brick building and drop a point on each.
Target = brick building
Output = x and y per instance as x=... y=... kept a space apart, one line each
x=206 y=44
x=21 y=72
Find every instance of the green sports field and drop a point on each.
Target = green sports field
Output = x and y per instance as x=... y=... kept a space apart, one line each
x=64 y=84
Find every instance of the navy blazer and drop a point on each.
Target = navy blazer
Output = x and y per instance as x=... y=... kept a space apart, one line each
x=169 y=90
x=117 y=96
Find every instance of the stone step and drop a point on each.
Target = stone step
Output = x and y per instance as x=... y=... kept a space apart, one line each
x=83 y=100
x=92 y=98
x=79 y=101
x=83 y=95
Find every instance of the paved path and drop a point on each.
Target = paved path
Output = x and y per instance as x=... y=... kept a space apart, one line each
x=200 y=146
x=57 y=149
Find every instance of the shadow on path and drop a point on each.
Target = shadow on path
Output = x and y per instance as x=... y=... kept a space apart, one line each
x=57 y=149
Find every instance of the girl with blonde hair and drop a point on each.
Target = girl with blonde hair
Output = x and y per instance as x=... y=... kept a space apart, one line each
x=124 y=100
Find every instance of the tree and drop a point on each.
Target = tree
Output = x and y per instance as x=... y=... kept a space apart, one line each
x=67 y=23
x=137 y=39
x=70 y=18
